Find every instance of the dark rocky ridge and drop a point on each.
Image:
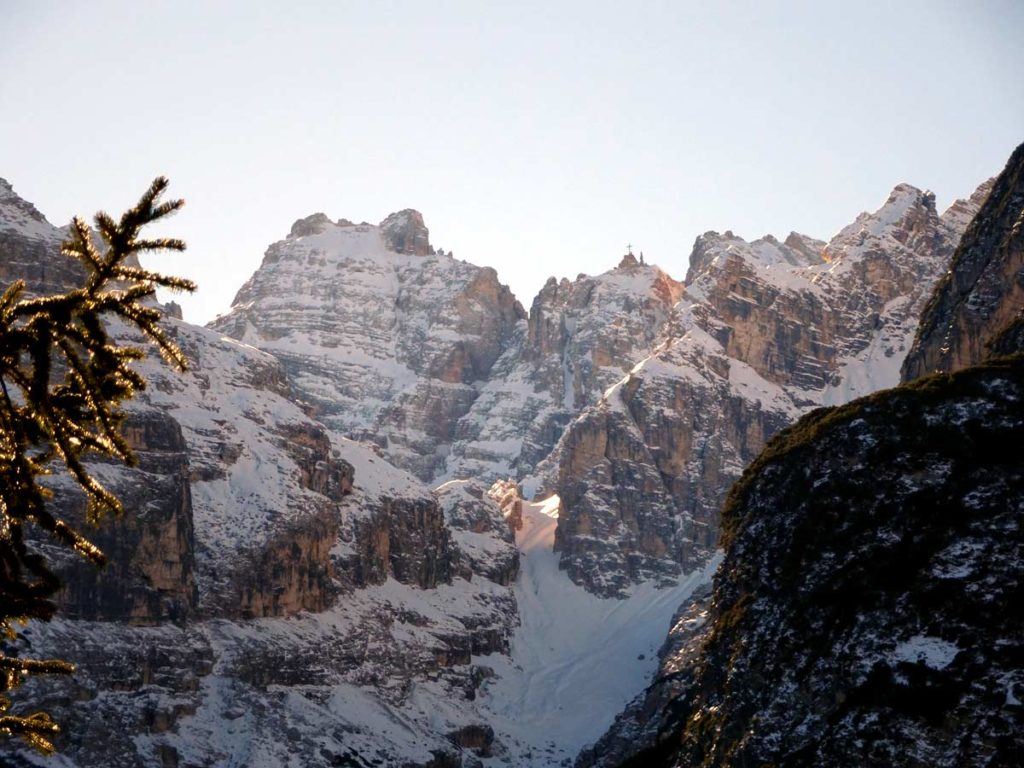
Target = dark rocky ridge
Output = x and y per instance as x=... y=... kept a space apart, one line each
x=869 y=620
x=982 y=294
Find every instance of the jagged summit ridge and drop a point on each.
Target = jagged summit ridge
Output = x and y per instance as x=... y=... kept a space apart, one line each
x=711 y=247
x=432 y=358
x=765 y=331
x=402 y=232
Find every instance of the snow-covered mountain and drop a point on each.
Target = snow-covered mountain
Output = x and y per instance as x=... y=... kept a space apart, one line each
x=318 y=563
x=431 y=357
x=262 y=554
x=767 y=330
x=281 y=589
x=865 y=609
x=385 y=338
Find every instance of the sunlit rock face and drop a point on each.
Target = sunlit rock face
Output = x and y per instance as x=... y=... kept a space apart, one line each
x=767 y=330
x=383 y=338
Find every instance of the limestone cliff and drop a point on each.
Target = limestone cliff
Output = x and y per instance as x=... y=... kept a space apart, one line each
x=151 y=577
x=767 y=330
x=582 y=336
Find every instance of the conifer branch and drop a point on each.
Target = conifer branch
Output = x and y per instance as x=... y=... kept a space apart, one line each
x=68 y=379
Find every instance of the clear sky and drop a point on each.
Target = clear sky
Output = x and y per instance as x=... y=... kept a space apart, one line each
x=536 y=137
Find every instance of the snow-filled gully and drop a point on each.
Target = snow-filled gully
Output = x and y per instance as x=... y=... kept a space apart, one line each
x=577 y=659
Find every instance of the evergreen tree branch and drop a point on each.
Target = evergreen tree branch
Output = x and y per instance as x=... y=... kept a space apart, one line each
x=68 y=378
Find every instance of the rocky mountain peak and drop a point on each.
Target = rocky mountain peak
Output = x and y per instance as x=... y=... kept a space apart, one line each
x=962 y=211
x=405 y=232
x=712 y=252
x=704 y=253
x=314 y=224
x=383 y=338
x=628 y=261
x=19 y=216
x=908 y=217
x=810 y=248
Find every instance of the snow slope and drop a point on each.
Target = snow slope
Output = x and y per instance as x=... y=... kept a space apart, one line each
x=576 y=658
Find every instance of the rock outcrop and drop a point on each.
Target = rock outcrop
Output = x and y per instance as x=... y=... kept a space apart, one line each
x=767 y=331
x=430 y=357
x=151 y=576
x=483 y=533
x=982 y=294
x=405 y=232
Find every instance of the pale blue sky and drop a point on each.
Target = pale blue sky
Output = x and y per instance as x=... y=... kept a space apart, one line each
x=537 y=138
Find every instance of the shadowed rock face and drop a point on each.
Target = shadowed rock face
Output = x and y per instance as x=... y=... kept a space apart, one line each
x=982 y=295
x=767 y=330
x=641 y=482
x=150 y=577
x=482 y=532
x=863 y=610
